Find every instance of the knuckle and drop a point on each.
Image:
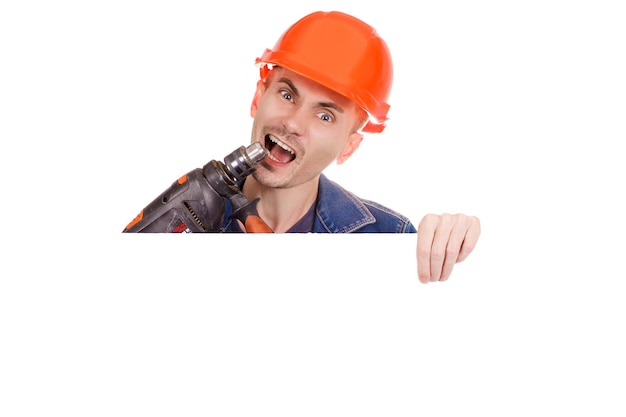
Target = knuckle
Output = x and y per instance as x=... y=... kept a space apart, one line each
x=437 y=255
x=428 y=219
x=452 y=252
x=423 y=252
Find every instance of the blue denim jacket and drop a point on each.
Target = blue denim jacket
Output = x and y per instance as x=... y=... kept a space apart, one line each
x=340 y=211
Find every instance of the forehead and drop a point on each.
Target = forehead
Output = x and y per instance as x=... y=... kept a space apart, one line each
x=307 y=86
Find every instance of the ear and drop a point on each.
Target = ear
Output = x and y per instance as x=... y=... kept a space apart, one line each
x=353 y=144
x=260 y=89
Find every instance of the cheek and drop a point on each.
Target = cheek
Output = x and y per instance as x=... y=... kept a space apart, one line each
x=326 y=152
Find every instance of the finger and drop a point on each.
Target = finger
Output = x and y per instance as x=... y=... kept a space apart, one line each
x=425 y=235
x=455 y=244
x=441 y=261
x=471 y=238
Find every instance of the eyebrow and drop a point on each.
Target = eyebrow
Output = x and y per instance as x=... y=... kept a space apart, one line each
x=329 y=104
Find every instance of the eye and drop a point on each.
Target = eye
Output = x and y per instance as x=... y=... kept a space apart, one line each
x=325 y=117
x=286 y=95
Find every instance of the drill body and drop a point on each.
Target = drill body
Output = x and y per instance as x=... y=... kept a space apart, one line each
x=195 y=203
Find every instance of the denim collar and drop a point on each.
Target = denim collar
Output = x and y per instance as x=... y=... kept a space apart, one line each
x=338 y=210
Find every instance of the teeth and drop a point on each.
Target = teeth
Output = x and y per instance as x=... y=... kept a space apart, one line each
x=282 y=145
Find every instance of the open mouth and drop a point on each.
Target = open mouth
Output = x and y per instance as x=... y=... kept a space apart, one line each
x=279 y=151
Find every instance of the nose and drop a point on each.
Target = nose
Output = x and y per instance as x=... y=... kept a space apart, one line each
x=294 y=121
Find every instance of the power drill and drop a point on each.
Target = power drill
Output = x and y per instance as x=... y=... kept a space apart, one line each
x=195 y=203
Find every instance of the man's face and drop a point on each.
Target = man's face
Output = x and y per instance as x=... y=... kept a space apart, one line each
x=304 y=125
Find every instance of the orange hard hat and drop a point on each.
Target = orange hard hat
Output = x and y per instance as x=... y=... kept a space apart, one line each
x=342 y=53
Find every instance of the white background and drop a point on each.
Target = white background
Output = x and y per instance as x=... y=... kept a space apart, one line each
x=511 y=111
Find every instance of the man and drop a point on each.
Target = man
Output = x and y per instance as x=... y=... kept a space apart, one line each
x=324 y=84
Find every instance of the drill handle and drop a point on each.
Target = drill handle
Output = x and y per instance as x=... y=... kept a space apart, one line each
x=255 y=224
x=246 y=212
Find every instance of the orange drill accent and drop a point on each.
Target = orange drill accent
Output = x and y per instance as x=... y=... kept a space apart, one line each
x=182 y=179
x=136 y=220
x=255 y=224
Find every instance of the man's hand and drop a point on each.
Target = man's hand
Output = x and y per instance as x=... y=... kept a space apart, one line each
x=443 y=241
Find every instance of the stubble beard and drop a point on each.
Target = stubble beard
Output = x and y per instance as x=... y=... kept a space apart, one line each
x=267 y=179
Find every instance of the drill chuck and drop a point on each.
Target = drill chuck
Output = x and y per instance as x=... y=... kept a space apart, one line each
x=243 y=161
